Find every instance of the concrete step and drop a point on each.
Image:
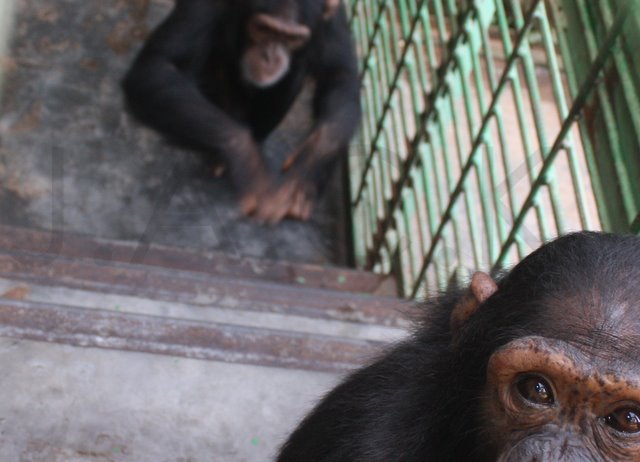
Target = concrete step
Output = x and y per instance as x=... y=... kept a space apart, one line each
x=77 y=246
x=18 y=290
x=199 y=289
x=108 y=329
x=72 y=404
x=112 y=353
x=106 y=360
x=195 y=315
x=66 y=296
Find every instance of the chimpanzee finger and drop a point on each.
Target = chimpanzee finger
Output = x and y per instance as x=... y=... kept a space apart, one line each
x=248 y=204
x=273 y=207
x=296 y=204
x=307 y=209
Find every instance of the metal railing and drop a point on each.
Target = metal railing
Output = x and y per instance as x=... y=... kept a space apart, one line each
x=491 y=126
x=6 y=22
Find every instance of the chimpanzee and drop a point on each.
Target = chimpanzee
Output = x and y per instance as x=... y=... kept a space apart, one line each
x=219 y=76
x=543 y=365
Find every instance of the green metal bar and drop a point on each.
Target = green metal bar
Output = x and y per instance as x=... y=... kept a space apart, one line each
x=404 y=248
x=520 y=110
x=504 y=147
x=445 y=155
x=420 y=209
x=6 y=26
x=488 y=201
x=474 y=152
x=377 y=24
x=603 y=130
x=535 y=98
x=572 y=80
x=563 y=110
x=428 y=179
x=468 y=197
x=436 y=96
x=631 y=94
x=457 y=126
x=387 y=104
x=574 y=113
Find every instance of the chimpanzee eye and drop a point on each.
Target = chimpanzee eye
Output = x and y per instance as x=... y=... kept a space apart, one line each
x=625 y=420
x=535 y=389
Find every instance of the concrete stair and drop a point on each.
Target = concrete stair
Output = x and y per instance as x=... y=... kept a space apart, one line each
x=269 y=332
x=87 y=292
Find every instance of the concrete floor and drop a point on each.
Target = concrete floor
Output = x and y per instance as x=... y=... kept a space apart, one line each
x=71 y=404
x=72 y=158
x=66 y=404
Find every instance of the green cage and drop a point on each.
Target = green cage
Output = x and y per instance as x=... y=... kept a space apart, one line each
x=489 y=127
x=6 y=16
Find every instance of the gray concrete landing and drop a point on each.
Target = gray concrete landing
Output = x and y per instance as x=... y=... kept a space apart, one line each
x=66 y=404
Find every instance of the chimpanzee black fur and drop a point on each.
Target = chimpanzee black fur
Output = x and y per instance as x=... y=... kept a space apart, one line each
x=575 y=306
x=220 y=75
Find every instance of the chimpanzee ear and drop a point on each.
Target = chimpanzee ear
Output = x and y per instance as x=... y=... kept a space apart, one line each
x=481 y=288
x=330 y=8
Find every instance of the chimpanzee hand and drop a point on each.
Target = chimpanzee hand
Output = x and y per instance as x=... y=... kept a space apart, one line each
x=248 y=171
x=253 y=192
x=294 y=198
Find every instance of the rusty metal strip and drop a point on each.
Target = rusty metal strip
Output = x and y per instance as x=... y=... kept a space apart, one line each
x=214 y=263
x=174 y=337
x=201 y=290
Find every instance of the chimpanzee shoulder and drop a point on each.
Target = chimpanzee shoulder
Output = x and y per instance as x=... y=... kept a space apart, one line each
x=391 y=409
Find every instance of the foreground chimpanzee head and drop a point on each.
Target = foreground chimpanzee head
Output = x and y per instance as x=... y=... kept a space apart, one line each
x=542 y=366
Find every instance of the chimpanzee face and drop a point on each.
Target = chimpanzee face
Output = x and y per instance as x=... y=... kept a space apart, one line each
x=548 y=398
x=271 y=38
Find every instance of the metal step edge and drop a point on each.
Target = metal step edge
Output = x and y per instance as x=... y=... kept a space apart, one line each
x=31 y=292
x=201 y=289
x=215 y=263
x=176 y=337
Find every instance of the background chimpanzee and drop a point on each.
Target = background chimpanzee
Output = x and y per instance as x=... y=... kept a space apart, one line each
x=220 y=75
x=543 y=365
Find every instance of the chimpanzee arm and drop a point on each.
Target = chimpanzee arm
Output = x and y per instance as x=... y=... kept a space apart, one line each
x=337 y=113
x=162 y=93
x=337 y=98
x=336 y=102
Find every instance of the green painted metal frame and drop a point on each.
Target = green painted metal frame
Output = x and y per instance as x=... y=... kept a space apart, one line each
x=6 y=25
x=486 y=133
x=611 y=123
